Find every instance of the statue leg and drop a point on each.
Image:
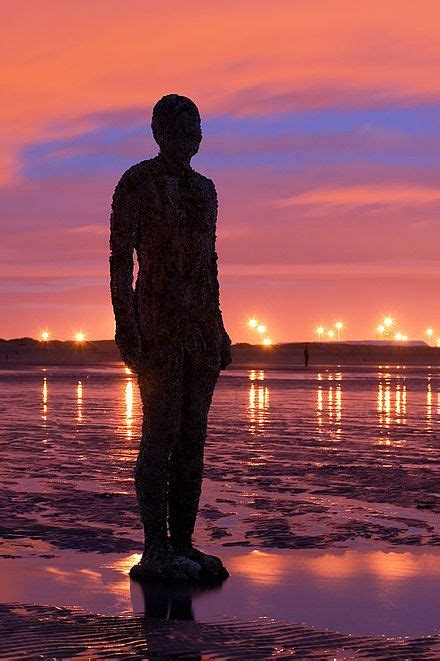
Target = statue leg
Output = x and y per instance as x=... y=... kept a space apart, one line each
x=186 y=465
x=161 y=394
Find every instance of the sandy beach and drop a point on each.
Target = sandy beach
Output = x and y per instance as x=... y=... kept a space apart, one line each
x=320 y=494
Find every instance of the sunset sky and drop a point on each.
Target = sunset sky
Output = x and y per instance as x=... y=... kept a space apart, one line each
x=321 y=132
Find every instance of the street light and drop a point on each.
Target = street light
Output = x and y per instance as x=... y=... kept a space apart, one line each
x=252 y=323
x=45 y=335
x=320 y=331
x=261 y=328
x=267 y=342
x=339 y=326
x=331 y=334
x=80 y=337
x=381 y=330
x=429 y=333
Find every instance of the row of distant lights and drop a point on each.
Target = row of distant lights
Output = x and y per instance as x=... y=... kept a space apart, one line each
x=331 y=332
x=385 y=328
x=260 y=328
x=79 y=337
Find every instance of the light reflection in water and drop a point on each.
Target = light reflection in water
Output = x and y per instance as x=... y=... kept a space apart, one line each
x=391 y=407
x=271 y=568
x=258 y=403
x=44 y=399
x=429 y=404
x=329 y=416
x=129 y=408
x=79 y=398
x=256 y=375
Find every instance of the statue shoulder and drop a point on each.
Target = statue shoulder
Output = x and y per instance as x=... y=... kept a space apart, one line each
x=134 y=176
x=206 y=184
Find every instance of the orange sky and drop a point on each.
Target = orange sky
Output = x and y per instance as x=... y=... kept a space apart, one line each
x=322 y=135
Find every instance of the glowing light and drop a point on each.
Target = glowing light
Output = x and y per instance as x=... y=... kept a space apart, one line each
x=257 y=411
x=339 y=326
x=267 y=342
x=320 y=330
x=80 y=337
x=404 y=338
x=331 y=334
x=252 y=323
x=45 y=396
x=261 y=328
x=380 y=328
x=254 y=375
x=79 y=397
x=129 y=399
x=429 y=333
x=398 y=337
x=388 y=321
x=45 y=335
x=128 y=370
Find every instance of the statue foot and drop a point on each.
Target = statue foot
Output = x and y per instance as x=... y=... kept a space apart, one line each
x=211 y=567
x=165 y=564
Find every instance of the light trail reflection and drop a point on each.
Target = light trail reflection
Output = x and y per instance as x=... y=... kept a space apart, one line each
x=129 y=408
x=267 y=568
x=79 y=401
x=44 y=397
x=329 y=417
x=429 y=404
x=391 y=407
x=258 y=403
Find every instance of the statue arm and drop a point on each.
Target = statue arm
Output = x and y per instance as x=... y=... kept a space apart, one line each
x=226 y=357
x=123 y=231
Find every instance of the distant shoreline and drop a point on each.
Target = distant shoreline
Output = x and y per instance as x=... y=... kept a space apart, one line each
x=27 y=351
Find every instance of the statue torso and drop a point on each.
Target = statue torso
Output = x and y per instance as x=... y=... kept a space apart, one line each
x=176 y=289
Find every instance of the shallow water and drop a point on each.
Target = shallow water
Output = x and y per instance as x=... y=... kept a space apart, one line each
x=362 y=592
x=321 y=493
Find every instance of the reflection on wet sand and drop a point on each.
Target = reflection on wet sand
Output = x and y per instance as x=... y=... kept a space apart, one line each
x=390 y=414
x=429 y=404
x=271 y=568
x=392 y=406
x=329 y=406
x=129 y=407
x=79 y=402
x=357 y=591
x=269 y=485
x=258 y=403
x=44 y=396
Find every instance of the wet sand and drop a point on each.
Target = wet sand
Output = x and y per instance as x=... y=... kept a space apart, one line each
x=324 y=506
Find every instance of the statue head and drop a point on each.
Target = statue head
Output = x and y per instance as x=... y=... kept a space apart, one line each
x=176 y=127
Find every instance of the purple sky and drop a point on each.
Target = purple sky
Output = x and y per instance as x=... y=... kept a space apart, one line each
x=321 y=131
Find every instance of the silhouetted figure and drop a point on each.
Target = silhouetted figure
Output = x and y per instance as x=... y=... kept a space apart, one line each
x=170 y=331
x=306 y=355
